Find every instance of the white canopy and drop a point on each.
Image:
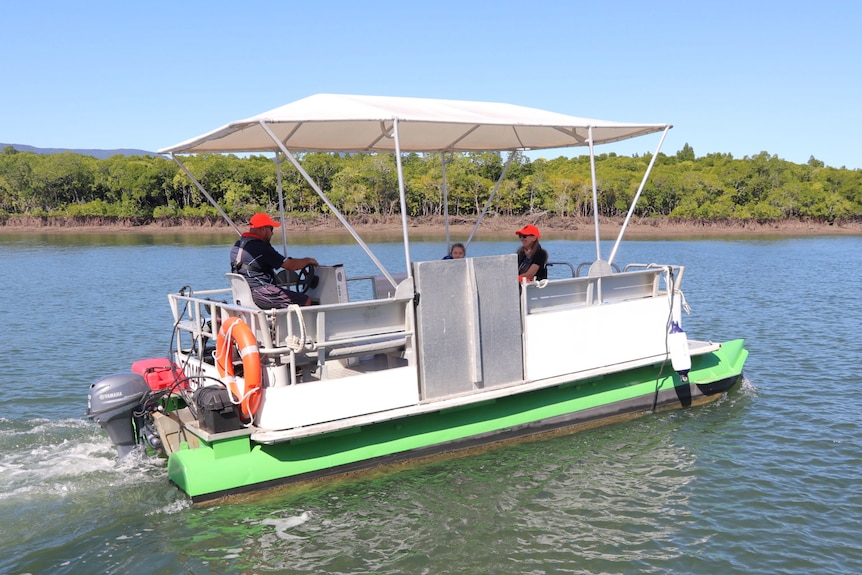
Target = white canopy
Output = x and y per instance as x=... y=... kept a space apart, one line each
x=345 y=123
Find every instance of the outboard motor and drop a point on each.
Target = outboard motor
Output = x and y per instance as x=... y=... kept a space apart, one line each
x=112 y=403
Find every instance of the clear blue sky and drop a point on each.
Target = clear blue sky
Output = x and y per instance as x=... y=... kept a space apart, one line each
x=735 y=77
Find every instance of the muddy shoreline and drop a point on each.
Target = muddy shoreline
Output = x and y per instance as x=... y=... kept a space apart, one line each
x=459 y=228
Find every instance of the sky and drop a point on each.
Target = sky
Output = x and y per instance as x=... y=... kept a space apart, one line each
x=737 y=77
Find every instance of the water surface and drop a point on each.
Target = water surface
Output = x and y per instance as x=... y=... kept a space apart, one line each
x=766 y=480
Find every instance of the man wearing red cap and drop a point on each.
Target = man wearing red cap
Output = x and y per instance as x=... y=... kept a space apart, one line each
x=532 y=258
x=255 y=258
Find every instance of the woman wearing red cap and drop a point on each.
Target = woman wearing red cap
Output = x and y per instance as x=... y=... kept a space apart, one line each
x=532 y=258
x=254 y=257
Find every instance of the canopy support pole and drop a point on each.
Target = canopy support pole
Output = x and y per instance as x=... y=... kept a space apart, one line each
x=403 y=197
x=637 y=196
x=491 y=197
x=205 y=193
x=443 y=162
x=595 y=194
x=278 y=160
x=329 y=204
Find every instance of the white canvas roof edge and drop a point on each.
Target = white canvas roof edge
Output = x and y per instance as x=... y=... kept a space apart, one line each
x=434 y=126
x=330 y=118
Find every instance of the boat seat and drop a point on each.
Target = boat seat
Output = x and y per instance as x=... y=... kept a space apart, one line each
x=382 y=289
x=600 y=268
x=241 y=290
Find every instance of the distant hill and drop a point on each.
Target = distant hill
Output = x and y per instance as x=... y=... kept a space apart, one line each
x=100 y=154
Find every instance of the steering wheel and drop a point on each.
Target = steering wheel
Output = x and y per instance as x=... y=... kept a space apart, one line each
x=306 y=279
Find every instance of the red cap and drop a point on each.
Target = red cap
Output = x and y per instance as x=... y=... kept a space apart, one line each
x=529 y=230
x=262 y=220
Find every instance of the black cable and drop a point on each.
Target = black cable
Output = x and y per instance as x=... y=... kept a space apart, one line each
x=175 y=370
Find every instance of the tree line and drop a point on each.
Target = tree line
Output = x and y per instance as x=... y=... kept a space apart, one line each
x=717 y=186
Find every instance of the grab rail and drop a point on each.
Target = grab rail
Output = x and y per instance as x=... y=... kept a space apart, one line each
x=301 y=334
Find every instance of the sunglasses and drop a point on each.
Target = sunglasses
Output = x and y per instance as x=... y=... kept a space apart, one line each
x=522 y=236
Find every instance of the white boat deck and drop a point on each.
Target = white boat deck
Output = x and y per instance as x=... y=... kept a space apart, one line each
x=277 y=436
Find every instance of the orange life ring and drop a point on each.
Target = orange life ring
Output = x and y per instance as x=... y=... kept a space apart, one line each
x=235 y=331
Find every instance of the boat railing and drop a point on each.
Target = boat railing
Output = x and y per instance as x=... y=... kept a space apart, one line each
x=548 y=296
x=300 y=335
x=567 y=264
x=341 y=330
x=192 y=313
x=374 y=286
x=675 y=271
x=588 y=265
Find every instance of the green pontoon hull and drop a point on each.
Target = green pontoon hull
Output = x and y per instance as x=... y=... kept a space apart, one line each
x=236 y=464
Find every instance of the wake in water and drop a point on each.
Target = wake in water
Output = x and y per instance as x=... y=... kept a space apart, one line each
x=43 y=459
x=747 y=388
x=284 y=523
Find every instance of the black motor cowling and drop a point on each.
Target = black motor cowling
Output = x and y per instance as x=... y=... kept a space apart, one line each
x=112 y=403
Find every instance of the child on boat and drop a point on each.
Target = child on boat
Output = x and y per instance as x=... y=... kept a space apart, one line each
x=456 y=252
